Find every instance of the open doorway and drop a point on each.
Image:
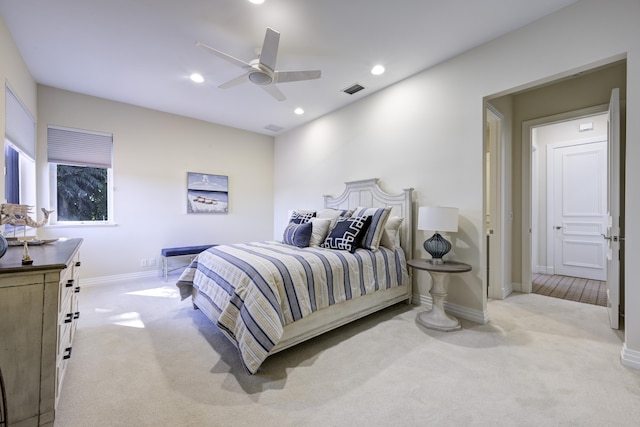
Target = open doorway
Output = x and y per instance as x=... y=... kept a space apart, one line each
x=569 y=215
x=587 y=92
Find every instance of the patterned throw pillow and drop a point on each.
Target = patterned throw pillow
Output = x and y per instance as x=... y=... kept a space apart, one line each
x=297 y=234
x=347 y=234
x=301 y=217
x=378 y=220
x=333 y=214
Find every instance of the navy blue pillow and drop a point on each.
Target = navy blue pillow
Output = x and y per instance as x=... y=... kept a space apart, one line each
x=347 y=234
x=297 y=234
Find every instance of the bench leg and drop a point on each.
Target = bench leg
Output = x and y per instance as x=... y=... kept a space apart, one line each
x=165 y=268
x=165 y=263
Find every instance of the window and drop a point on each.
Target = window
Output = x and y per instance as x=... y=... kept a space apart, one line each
x=19 y=151
x=80 y=175
x=20 y=182
x=12 y=174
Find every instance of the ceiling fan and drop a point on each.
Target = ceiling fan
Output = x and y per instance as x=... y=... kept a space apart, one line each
x=262 y=71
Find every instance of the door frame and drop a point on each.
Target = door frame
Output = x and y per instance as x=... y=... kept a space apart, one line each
x=498 y=283
x=527 y=193
x=615 y=211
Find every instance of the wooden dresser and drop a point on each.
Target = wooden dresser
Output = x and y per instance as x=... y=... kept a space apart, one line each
x=38 y=317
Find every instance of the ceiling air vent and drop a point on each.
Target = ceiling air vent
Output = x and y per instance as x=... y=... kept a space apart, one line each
x=353 y=89
x=273 y=128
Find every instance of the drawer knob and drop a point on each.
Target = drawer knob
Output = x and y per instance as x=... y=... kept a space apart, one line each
x=67 y=353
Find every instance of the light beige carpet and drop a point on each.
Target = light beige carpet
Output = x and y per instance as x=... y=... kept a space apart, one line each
x=143 y=358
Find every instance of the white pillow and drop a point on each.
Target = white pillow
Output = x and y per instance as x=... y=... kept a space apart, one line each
x=319 y=231
x=390 y=233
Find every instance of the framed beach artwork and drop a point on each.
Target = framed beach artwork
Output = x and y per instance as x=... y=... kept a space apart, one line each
x=207 y=193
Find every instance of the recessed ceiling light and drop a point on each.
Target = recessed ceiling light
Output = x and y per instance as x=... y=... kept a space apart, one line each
x=196 y=78
x=377 y=70
x=257 y=1
x=299 y=111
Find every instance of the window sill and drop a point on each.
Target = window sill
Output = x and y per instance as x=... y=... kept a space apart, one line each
x=80 y=224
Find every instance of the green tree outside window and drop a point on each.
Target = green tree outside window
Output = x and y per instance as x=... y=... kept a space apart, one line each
x=82 y=193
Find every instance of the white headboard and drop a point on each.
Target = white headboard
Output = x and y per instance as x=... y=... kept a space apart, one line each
x=368 y=194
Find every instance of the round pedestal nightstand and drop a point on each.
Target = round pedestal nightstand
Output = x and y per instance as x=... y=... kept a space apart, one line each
x=436 y=318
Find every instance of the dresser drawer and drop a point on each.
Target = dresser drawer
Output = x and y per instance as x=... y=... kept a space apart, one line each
x=66 y=324
x=68 y=285
x=64 y=353
x=68 y=316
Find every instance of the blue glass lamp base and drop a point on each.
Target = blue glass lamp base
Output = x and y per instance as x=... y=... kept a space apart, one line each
x=437 y=246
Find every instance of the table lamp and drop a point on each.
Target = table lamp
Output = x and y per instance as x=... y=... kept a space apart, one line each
x=436 y=218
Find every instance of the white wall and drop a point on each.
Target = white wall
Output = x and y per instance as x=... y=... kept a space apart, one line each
x=427 y=132
x=153 y=152
x=408 y=137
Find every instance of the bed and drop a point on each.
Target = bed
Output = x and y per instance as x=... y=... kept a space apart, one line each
x=268 y=296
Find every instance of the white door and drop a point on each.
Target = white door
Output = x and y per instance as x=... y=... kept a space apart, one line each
x=612 y=236
x=579 y=199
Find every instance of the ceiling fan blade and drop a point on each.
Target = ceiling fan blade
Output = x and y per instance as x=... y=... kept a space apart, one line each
x=269 y=52
x=274 y=91
x=294 y=76
x=223 y=55
x=235 y=82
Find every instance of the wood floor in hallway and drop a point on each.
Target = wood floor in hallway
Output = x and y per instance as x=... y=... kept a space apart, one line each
x=571 y=288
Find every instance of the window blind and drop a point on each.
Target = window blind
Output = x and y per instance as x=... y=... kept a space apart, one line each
x=20 y=127
x=79 y=147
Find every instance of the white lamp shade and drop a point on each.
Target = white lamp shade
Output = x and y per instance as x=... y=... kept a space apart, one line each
x=436 y=218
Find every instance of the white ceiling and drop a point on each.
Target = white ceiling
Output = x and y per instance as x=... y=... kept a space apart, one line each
x=142 y=52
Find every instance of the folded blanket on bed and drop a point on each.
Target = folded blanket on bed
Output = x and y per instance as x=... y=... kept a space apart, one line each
x=260 y=287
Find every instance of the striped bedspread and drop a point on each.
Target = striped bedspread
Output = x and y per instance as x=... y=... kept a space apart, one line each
x=257 y=288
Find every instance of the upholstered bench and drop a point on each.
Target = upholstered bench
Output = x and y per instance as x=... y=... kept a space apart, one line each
x=181 y=251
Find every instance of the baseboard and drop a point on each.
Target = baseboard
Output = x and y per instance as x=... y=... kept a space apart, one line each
x=477 y=316
x=543 y=269
x=507 y=290
x=516 y=287
x=630 y=358
x=105 y=280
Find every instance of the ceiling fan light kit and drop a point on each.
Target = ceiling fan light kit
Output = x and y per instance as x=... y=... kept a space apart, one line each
x=262 y=71
x=260 y=78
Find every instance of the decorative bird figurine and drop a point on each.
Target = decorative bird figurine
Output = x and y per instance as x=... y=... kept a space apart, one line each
x=17 y=215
